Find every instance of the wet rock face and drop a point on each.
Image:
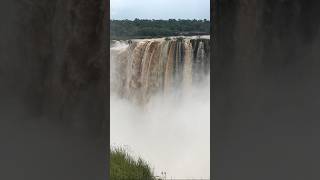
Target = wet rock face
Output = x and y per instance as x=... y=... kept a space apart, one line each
x=53 y=82
x=265 y=63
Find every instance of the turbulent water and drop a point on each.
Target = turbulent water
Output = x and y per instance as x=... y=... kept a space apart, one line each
x=145 y=67
x=160 y=103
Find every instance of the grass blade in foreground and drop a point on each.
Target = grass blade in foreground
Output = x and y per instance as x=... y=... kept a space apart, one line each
x=125 y=167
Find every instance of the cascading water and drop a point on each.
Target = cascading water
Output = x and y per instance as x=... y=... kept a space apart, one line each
x=146 y=67
x=160 y=103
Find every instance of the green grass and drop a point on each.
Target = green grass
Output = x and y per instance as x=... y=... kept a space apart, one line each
x=124 y=167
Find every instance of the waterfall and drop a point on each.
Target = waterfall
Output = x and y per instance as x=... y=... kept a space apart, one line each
x=143 y=67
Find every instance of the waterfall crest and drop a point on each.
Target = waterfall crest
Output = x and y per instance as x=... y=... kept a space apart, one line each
x=145 y=67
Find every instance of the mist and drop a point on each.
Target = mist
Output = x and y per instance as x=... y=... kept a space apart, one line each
x=171 y=132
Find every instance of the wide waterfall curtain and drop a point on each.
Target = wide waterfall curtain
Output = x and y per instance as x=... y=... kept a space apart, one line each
x=65 y=86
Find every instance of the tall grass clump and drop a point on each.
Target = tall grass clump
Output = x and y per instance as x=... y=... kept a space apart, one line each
x=125 y=167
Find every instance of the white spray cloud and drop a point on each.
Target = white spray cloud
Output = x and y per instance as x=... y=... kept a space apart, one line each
x=171 y=133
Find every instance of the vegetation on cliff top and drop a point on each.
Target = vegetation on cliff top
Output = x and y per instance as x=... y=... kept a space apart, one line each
x=142 y=28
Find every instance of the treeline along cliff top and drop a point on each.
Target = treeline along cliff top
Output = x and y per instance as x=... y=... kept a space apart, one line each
x=142 y=28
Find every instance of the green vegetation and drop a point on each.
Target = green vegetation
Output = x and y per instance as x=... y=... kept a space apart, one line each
x=142 y=28
x=125 y=167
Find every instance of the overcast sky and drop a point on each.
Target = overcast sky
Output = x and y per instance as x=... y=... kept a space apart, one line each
x=160 y=9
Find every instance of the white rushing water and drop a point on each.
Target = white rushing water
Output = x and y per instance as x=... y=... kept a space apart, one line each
x=170 y=131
